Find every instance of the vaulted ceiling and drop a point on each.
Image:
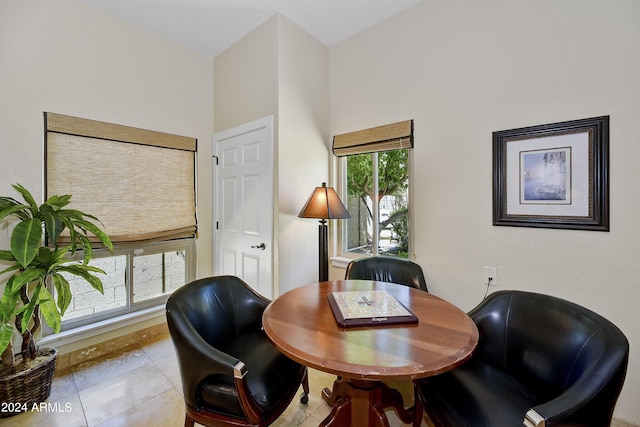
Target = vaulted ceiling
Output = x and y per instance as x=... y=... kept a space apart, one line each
x=211 y=26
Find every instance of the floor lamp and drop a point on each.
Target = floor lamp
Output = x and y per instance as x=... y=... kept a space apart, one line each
x=324 y=204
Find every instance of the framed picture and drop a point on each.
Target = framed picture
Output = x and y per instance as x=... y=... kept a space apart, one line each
x=553 y=176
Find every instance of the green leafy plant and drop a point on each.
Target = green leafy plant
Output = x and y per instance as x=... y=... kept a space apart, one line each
x=33 y=266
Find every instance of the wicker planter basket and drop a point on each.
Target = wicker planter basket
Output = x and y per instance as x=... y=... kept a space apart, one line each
x=19 y=391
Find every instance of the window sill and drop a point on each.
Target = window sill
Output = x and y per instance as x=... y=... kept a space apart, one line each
x=87 y=332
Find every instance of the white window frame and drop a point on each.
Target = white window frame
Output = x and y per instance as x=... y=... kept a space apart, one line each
x=131 y=251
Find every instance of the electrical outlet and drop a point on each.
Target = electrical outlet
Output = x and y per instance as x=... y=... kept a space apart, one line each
x=491 y=276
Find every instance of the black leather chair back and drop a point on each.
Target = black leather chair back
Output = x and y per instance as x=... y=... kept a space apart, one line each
x=231 y=373
x=549 y=342
x=540 y=359
x=553 y=345
x=387 y=269
x=209 y=305
x=208 y=314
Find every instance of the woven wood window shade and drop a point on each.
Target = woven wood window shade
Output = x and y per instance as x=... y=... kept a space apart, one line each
x=395 y=136
x=139 y=183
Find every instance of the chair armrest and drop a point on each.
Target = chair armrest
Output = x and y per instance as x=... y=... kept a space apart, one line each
x=197 y=358
x=248 y=404
x=533 y=419
x=568 y=407
x=588 y=400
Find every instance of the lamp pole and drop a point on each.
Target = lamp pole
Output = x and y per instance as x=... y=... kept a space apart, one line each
x=323 y=237
x=324 y=204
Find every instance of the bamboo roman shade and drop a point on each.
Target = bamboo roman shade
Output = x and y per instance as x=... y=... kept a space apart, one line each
x=395 y=136
x=139 y=183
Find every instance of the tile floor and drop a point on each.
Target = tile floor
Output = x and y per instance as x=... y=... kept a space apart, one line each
x=141 y=387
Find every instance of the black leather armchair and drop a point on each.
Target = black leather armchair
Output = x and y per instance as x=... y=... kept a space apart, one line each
x=231 y=373
x=387 y=269
x=540 y=361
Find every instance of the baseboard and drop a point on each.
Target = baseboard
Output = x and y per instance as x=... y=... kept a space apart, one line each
x=76 y=357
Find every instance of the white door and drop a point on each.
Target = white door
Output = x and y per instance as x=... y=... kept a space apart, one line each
x=243 y=232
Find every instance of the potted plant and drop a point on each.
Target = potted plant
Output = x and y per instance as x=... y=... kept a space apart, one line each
x=36 y=261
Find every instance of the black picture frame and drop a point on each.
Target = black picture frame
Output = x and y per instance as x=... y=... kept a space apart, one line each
x=553 y=176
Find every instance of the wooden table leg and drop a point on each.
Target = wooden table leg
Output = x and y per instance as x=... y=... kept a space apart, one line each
x=361 y=403
x=340 y=415
x=340 y=389
x=391 y=398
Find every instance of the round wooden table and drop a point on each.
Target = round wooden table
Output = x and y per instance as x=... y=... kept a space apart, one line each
x=301 y=324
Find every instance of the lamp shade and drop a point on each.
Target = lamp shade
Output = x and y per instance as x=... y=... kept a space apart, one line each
x=324 y=203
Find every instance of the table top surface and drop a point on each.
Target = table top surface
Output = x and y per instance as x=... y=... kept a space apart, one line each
x=301 y=325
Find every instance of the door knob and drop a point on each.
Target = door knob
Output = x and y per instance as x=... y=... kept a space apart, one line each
x=260 y=246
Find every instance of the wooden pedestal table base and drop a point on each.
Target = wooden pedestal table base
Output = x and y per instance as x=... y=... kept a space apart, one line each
x=362 y=403
x=301 y=324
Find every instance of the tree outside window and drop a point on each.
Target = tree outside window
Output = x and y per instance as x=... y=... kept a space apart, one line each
x=385 y=198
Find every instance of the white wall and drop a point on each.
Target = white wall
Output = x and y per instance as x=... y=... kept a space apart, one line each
x=303 y=149
x=464 y=69
x=246 y=79
x=281 y=70
x=66 y=57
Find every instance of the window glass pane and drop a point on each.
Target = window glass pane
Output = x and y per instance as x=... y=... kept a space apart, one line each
x=150 y=278
x=359 y=227
x=391 y=230
x=158 y=274
x=87 y=301
x=175 y=272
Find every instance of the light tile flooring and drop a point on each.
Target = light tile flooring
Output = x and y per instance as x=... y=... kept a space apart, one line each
x=141 y=387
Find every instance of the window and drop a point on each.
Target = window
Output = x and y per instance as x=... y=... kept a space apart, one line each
x=141 y=185
x=385 y=198
x=138 y=277
x=376 y=172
